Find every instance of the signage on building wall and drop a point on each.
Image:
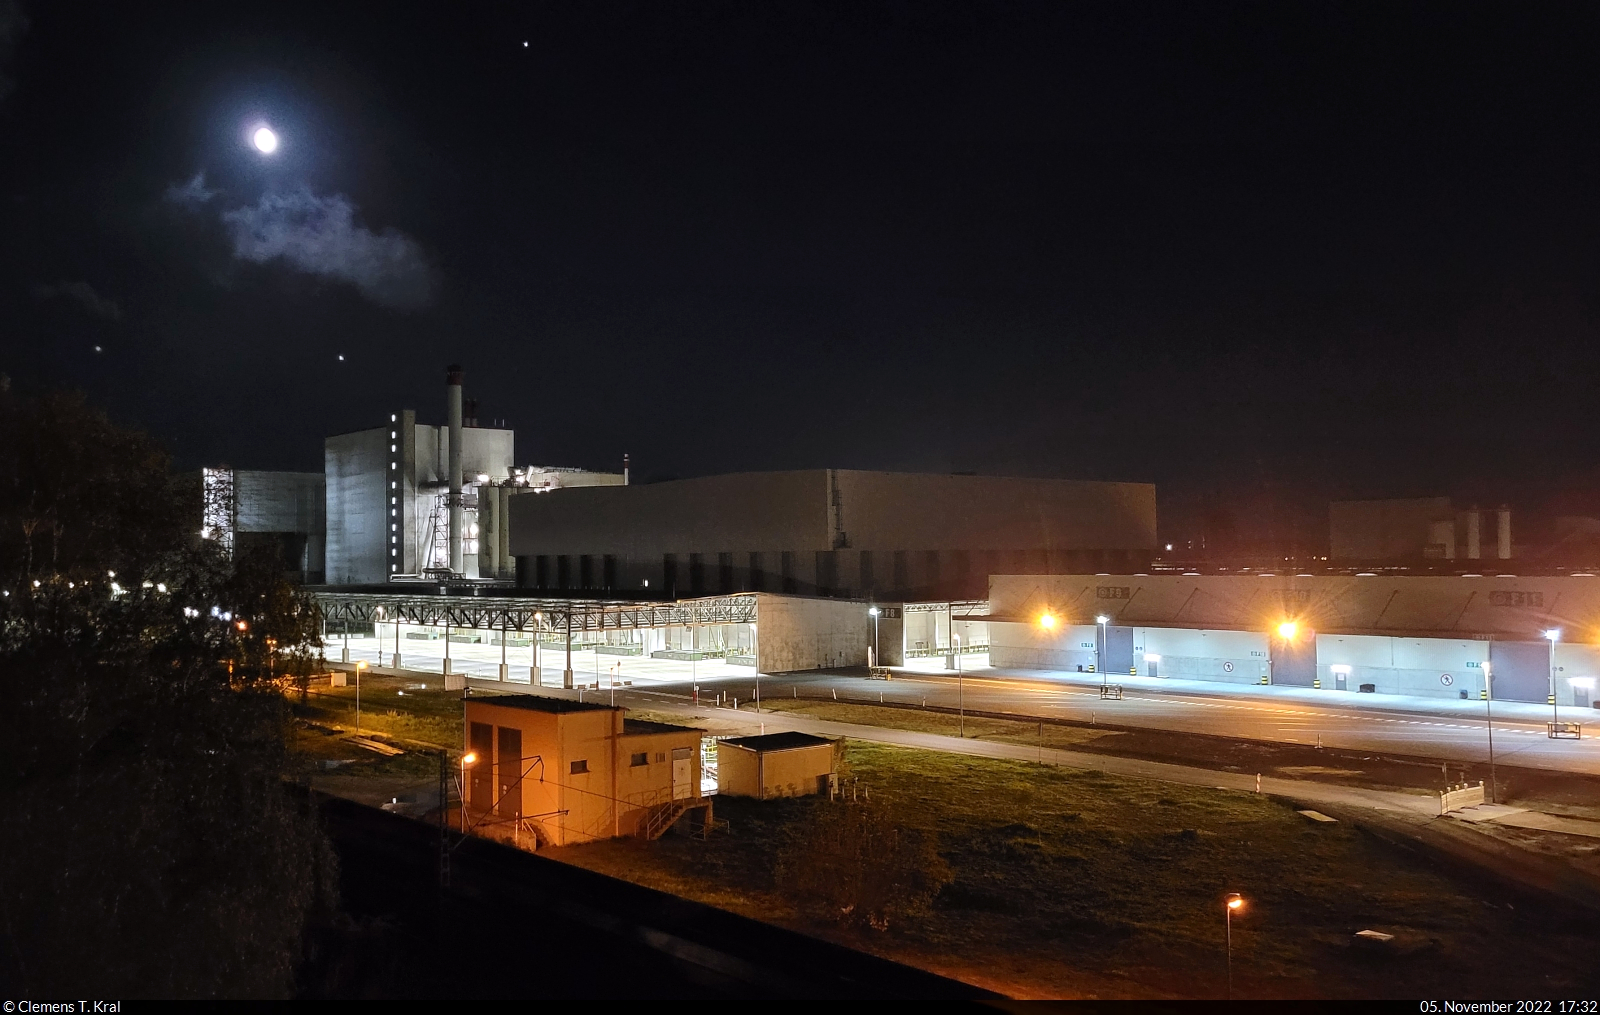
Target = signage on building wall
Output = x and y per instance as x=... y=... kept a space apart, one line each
x=889 y=612
x=1111 y=592
x=1446 y=679
x=1510 y=598
x=1227 y=667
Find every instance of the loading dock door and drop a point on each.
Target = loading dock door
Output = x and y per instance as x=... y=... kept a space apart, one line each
x=682 y=773
x=1294 y=660
x=1520 y=670
x=1115 y=653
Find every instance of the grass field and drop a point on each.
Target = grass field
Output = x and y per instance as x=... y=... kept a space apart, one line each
x=1078 y=884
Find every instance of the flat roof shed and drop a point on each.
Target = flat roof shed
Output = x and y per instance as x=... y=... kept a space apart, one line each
x=775 y=765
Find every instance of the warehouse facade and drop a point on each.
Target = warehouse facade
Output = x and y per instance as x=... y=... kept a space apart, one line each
x=828 y=532
x=1434 y=636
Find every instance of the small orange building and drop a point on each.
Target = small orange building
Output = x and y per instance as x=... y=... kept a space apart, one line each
x=553 y=772
x=776 y=765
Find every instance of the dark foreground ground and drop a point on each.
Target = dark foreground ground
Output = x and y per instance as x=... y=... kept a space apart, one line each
x=516 y=925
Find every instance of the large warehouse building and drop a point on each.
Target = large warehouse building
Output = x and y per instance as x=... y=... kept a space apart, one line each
x=828 y=532
x=1416 y=635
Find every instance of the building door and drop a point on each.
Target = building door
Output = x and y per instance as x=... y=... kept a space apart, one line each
x=480 y=777
x=1294 y=660
x=1115 y=653
x=1580 y=695
x=1520 y=670
x=509 y=772
x=682 y=774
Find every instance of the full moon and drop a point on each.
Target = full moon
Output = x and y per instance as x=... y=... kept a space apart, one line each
x=266 y=141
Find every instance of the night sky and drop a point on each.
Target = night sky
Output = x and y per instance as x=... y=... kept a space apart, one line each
x=1260 y=255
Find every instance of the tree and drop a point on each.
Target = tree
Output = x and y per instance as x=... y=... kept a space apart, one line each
x=856 y=864
x=152 y=846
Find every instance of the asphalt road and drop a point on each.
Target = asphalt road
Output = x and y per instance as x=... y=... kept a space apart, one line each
x=1410 y=726
x=1440 y=728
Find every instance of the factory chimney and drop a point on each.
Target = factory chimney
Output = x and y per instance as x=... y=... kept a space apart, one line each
x=1505 y=532
x=452 y=380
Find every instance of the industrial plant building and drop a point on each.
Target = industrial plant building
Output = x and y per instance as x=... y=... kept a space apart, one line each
x=282 y=511
x=828 y=532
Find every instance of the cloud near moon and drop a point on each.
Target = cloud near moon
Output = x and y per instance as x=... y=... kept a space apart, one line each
x=320 y=236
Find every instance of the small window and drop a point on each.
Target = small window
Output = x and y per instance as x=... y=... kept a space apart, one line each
x=641 y=759
x=661 y=756
x=580 y=767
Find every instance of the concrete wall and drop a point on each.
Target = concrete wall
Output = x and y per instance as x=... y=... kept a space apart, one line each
x=830 y=532
x=772 y=511
x=354 y=466
x=279 y=501
x=793 y=633
x=1507 y=608
x=1425 y=667
x=895 y=511
x=287 y=510
x=1237 y=657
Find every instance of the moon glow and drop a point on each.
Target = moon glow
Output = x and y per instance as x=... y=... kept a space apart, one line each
x=265 y=140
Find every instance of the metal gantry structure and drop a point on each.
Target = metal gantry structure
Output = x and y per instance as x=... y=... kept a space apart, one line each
x=522 y=613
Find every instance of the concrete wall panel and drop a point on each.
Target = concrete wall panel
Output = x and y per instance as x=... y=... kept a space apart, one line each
x=808 y=634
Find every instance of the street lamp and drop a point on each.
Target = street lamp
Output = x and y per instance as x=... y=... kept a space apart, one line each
x=377 y=635
x=961 y=689
x=877 y=648
x=361 y=664
x=1105 y=648
x=535 y=674
x=1553 y=635
x=1047 y=621
x=1488 y=712
x=467 y=761
x=1235 y=902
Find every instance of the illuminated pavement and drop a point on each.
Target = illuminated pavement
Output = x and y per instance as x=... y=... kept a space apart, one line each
x=587 y=666
x=1426 y=727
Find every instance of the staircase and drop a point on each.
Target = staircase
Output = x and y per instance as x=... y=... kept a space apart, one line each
x=662 y=816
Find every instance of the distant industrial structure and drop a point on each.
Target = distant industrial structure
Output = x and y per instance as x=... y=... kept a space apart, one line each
x=428 y=531
x=245 y=508
x=828 y=532
x=1416 y=530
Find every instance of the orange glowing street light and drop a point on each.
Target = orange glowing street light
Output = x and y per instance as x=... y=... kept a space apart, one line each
x=1047 y=621
x=1288 y=629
